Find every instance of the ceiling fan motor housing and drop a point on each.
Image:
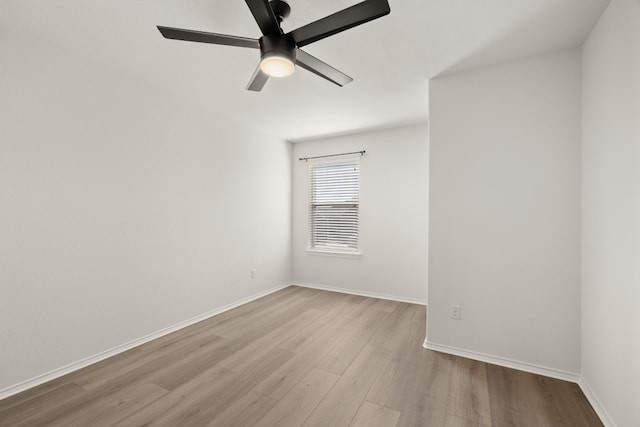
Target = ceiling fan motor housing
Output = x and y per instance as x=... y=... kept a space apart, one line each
x=278 y=45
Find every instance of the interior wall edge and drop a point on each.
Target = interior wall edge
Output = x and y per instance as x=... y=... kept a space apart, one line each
x=595 y=403
x=505 y=362
x=361 y=293
x=64 y=370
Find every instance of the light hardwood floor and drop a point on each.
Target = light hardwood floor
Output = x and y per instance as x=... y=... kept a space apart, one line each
x=299 y=357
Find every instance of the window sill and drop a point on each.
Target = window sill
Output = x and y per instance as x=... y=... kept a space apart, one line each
x=354 y=255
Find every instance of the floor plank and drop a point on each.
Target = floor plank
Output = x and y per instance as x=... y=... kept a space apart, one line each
x=372 y=415
x=296 y=405
x=247 y=411
x=385 y=305
x=469 y=396
x=175 y=407
x=278 y=384
x=106 y=409
x=339 y=407
x=249 y=355
x=339 y=359
x=12 y=414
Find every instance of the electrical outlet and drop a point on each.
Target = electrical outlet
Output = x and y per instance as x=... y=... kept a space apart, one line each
x=253 y=274
x=455 y=312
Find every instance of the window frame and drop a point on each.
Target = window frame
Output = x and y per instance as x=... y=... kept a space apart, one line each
x=332 y=251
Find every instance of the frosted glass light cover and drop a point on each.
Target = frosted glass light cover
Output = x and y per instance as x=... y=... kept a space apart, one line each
x=277 y=66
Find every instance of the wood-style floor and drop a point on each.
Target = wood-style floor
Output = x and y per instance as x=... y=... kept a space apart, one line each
x=299 y=357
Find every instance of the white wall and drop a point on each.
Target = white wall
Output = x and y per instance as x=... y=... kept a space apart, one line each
x=504 y=213
x=611 y=213
x=122 y=210
x=393 y=208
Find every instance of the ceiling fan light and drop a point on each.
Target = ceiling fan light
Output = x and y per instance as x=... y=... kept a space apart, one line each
x=277 y=65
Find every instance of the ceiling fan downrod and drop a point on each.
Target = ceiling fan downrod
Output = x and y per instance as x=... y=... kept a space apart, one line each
x=280 y=8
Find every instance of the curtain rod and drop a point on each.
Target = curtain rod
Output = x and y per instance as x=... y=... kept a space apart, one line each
x=332 y=155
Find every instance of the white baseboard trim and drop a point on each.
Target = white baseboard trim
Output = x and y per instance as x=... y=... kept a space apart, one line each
x=506 y=362
x=595 y=403
x=361 y=293
x=56 y=373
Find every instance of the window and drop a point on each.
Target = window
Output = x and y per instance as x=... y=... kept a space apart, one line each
x=334 y=206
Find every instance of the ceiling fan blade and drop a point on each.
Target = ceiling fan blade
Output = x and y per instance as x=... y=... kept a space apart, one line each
x=264 y=16
x=200 y=36
x=257 y=80
x=347 y=18
x=322 y=69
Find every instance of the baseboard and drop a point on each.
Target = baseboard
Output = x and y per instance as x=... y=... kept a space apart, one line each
x=361 y=293
x=595 y=403
x=56 y=373
x=503 y=361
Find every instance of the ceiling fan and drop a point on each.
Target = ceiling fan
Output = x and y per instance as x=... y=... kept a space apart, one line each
x=280 y=52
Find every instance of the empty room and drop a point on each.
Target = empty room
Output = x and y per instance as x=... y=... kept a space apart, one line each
x=303 y=213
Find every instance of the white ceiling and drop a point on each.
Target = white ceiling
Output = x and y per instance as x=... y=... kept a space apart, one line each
x=390 y=58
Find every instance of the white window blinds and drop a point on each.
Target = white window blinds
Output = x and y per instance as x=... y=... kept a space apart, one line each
x=334 y=206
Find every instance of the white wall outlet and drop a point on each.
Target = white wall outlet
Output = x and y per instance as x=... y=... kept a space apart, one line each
x=253 y=274
x=455 y=312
